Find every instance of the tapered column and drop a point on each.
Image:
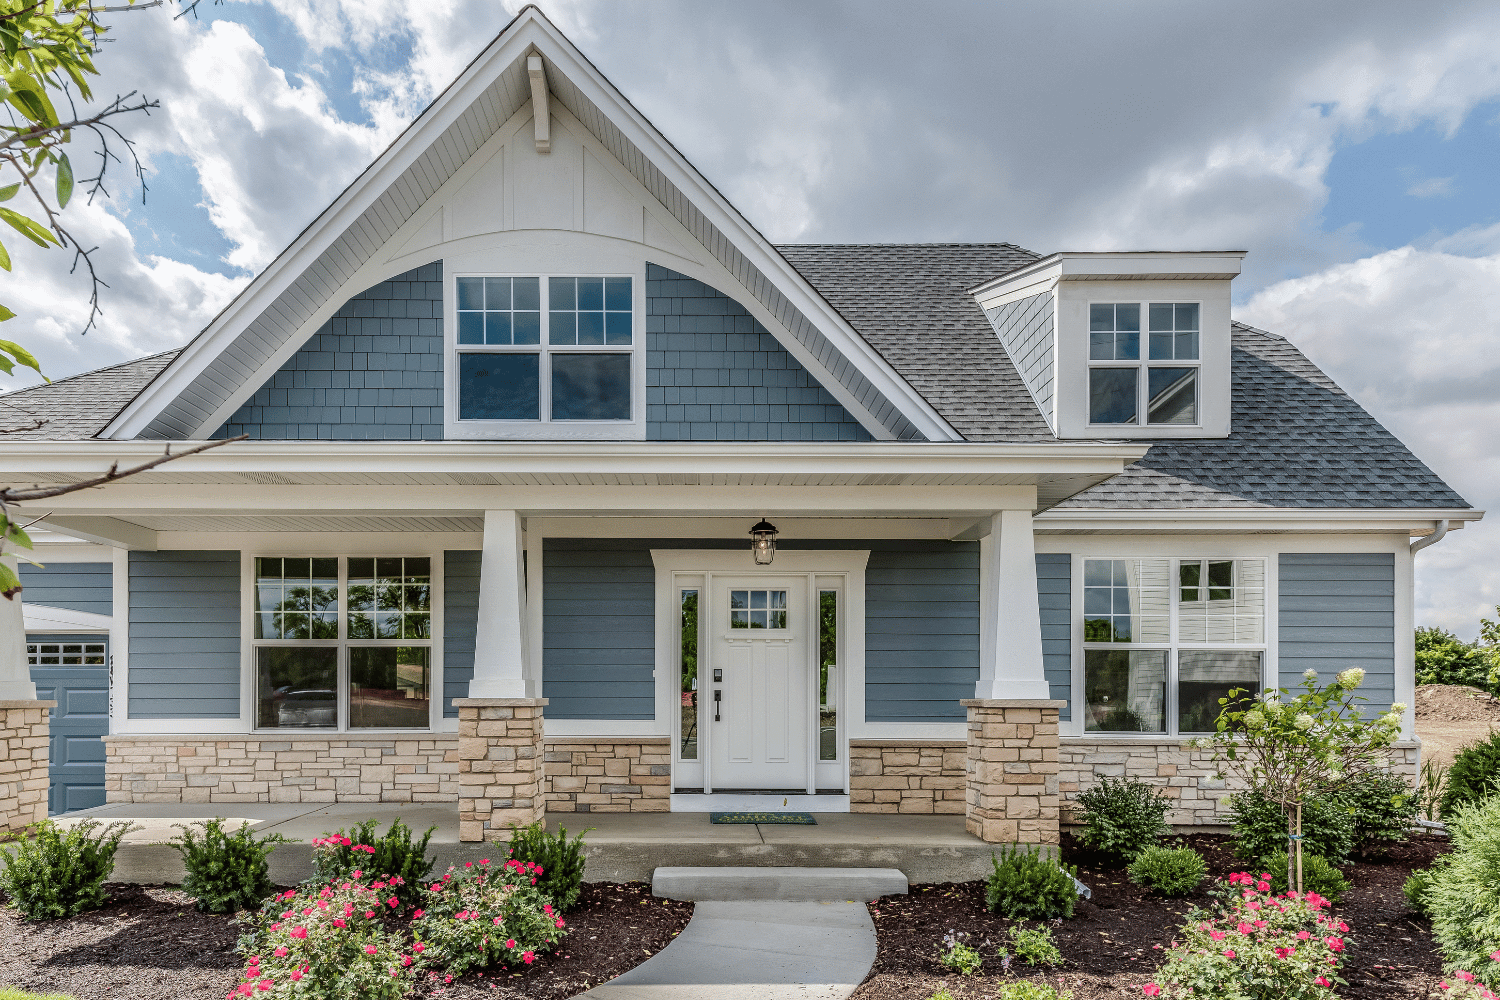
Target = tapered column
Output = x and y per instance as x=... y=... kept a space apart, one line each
x=15 y=675
x=500 y=649
x=1010 y=647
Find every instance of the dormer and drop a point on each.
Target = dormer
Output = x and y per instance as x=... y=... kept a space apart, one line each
x=1121 y=345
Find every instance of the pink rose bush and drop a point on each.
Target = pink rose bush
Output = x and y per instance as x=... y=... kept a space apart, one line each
x=1464 y=985
x=327 y=942
x=487 y=914
x=1259 y=947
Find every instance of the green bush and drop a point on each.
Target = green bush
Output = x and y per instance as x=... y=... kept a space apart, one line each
x=1415 y=890
x=484 y=914
x=1317 y=875
x=226 y=872
x=1385 y=807
x=1035 y=946
x=1260 y=827
x=1473 y=774
x=1030 y=885
x=338 y=855
x=1121 y=817
x=561 y=861
x=1022 y=989
x=61 y=871
x=1169 y=872
x=1463 y=894
x=1443 y=658
x=958 y=955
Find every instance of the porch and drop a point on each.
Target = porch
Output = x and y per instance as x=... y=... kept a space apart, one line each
x=620 y=846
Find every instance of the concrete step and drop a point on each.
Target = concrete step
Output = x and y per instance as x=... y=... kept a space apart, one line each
x=788 y=884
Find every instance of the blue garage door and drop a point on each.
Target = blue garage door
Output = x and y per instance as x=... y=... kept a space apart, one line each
x=73 y=670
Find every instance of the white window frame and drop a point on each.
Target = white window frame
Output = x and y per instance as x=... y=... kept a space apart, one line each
x=342 y=644
x=1142 y=364
x=544 y=427
x=1173 y=644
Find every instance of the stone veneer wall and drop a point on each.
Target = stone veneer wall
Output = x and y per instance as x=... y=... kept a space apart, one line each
x=600 y=774
x=23 y=763
x=907 y=776
x=499 y=765
x=1012 y=770
x=143 y=768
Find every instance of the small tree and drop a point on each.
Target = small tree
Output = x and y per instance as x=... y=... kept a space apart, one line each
x=1293 y=748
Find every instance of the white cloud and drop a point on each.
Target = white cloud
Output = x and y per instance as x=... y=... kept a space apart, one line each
x=1432 y=187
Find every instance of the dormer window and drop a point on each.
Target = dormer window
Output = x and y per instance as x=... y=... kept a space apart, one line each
x=1123 y=385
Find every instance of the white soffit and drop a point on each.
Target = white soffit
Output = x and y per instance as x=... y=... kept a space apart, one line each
x=1141 y=265
x=228 y=358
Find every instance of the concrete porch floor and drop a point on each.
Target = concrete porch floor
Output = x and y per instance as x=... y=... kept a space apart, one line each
x=619 y=846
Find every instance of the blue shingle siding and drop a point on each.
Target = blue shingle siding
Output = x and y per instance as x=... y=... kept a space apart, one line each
x=1338 y=610
x=713 y=373
x=373 y=372
x=460 y=625
x=86 y=587
x=599 y=622
x=1025 y=328
x=921 y=629
x=184 y=635
x=1054 y=586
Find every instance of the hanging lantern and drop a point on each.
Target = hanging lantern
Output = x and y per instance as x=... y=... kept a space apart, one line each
x=763 y=542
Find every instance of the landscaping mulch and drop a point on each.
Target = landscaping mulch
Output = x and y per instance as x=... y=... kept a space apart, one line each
x=148 y=943
x=1108 y=944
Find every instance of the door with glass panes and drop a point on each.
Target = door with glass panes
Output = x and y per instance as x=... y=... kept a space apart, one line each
x=759 y=690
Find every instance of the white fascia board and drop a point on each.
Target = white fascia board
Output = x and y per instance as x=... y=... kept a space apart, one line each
x=104 y=531
x=327 y=229
x=42 y=618
x=1415 y=521
x=1135 y=265
x=615 y=457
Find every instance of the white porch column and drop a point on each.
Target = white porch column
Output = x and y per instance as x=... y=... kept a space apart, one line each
x=15 y=675
x=1010 y=642
x=500 y=650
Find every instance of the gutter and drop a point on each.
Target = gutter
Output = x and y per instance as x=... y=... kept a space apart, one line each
x=1439 y=530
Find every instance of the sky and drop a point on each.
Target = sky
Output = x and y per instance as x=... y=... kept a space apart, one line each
x=1352 y=148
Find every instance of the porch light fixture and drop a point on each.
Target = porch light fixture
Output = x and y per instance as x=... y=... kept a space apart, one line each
x=763 y=542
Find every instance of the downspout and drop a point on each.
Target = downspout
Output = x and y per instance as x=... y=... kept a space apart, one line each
x=1439 y=531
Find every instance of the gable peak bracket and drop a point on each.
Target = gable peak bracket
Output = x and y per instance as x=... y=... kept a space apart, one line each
x=541 y=115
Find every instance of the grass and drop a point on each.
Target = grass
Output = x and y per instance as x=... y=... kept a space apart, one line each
x=11 y=993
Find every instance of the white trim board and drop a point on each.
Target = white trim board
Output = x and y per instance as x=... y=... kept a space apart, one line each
x=42 y=618
x=743 y=802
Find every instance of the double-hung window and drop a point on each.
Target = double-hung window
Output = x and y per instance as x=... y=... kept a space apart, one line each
x=343 y=643
x=546 y=350
x=1165 y=639
x=1159 y=388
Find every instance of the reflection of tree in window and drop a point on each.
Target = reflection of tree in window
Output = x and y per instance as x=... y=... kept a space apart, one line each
x=689 y=674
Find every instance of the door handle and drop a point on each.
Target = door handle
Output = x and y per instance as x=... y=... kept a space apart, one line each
x=717 y=693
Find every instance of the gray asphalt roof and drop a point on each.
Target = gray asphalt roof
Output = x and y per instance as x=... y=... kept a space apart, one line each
x=77 y=407
x=1296 y=440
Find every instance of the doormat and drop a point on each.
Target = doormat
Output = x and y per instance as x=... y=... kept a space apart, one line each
x=766 y=818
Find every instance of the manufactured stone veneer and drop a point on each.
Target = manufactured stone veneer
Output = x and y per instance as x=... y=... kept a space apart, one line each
x=23 y=762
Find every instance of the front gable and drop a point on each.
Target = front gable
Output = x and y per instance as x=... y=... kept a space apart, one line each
x=467 y=185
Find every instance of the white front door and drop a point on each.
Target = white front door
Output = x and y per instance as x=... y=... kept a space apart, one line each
x=760 y=686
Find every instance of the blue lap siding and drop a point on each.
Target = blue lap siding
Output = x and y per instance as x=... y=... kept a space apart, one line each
x=75 y=586
x=599 y=625
x=184 y=635
x=1338 y=610
x=1054 y=581
x=460 y=625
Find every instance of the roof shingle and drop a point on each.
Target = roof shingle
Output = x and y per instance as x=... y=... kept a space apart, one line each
x=79 y=406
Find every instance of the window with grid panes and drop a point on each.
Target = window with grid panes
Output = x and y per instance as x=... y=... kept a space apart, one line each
x=343 y=642
x=1143 y=375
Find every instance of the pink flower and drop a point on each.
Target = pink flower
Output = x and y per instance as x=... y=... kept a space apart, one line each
x=418 y=915
x=1216 y=935
x=1322 y=982
x=528 y=957
x=1244 y=928
x=1334 y=944
x=1467 y=977
x=405 y=960
x=392 y=902
x=1229 y=953
x=370 y=949
x=299 y=932
x=297 y=974
x=339 y=922
x=1494 y=955
x=1151 y=990
x=559 y=921
x=264 y=985
x=1303 y=935
x=547 y=909
x=468 y=864
x=419 y=947
x=511 y=943
x=1262 y=887
x=356 y=873
x=280 y=952
x=496 y=921
x=369 y=914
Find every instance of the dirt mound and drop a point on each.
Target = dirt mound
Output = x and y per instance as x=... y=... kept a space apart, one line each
x=1451 y=716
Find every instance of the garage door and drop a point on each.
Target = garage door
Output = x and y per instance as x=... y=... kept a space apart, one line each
x=73 y=670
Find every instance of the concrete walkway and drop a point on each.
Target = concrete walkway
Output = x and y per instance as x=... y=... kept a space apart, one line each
x=756 y=951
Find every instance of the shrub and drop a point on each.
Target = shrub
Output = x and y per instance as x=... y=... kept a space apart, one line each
x=483 y=914
x=1317 y=876
x=1444 y=658
x=1030 y=885
x=1260 y=827
x=337 y=854
x=1415 y=890
x=942 y=994
x=1430 y=788
x=560 y=861
x=1021 y=989
x=1035 y=946
x=1384 y=806
x=1466 y=986
x=1463 y=896
x=61 y=871
x=329 y=943
x=1473 y=774
x=1169 y=872
x=959 y=955
x=1261 y=946
x=1122 y=818
x=226 y=872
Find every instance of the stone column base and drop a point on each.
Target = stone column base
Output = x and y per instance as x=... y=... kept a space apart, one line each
x=500 y=766
x=24 y=761
x=1012 y=771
